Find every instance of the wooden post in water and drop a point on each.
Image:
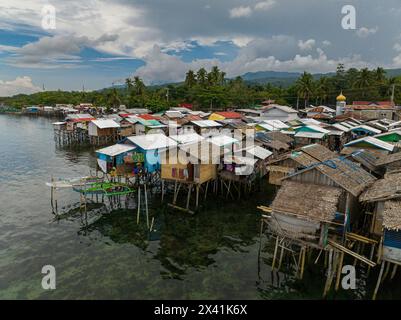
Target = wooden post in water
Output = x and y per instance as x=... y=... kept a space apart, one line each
x=139 y=204
x=146 y=206
x=379 y=280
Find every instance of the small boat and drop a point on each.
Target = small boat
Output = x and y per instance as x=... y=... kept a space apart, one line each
x=104 y=188
x=73 y=182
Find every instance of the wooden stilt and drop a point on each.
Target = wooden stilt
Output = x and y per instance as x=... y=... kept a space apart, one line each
x=275 y=253
x=394 y=272
x=303 y=262
x=197 y=196
x=162 y=190
x=339 y=270
x=207 y=187
x=139 y=205
x=146 y=206
x=387 y=270
x=378 y=281
x=189 y=196
x=329 y=274
x=281 y=257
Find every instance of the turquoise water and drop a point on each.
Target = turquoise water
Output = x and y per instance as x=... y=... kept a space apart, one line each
x=106 y=255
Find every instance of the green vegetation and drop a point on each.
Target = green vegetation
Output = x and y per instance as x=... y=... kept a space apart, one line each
x=212 y=90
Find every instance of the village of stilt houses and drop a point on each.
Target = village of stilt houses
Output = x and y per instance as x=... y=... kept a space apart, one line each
x=336 y=172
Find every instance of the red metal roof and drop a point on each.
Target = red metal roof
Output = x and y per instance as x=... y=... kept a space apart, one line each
x=186 y=105
x=125 y=115
x=372 y=107
x=372 y=103
x=82 y=119
x=230 y=114
x=148 y=117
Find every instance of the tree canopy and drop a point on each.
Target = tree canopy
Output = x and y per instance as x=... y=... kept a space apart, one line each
x=211 y=90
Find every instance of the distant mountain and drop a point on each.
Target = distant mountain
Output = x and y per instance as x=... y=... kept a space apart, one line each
x=276 y=78
x=393 y=72
x=288 y=78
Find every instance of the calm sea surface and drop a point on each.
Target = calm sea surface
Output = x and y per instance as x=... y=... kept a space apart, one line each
x=211 y=255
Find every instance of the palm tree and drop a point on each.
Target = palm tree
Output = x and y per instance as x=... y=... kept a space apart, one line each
x=139 y=86
x=190 y=79
x=305 y=87
x=201 y=76
x=214 y=75
x=222 y=78
x=380 y=75
x=129 y=85
x=114 y=99
x=322 y=89
x=363 y=80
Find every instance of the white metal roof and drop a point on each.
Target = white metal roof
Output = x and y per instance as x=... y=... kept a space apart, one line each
x=280 y=107
x=174 y=114
x=396 y=131
x=289 y=132
x=105 y=123
x=184 y=138
x=152 y=141
x=206 y=123
x=259 y=152
x=312 y=135
x=317 y=128
x=372 y=141
x=276 y=124
x=240 y=160
x=222 y=140
x=368 y=128
x=116 y=149
x=336 y=133
x=309 y=121
x=341 y=127
x=267 y=126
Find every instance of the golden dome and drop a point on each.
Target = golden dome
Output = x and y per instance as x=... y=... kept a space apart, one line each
x=341 y=97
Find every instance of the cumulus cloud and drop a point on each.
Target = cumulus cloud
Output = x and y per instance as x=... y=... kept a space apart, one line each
x=240 y=12
x=265 y=5
x=366 y=32
x=306 y=45
x=326 y=43
x=56 y=51
x=160 y=66
x=246 y=11
x=19 y=85
x=397 y=58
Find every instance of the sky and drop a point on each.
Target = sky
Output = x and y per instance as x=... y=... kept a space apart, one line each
x=94 y=44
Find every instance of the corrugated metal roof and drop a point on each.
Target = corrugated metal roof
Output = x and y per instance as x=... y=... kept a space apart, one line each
x=276 y=124
x=372 y=141
x=312 y=135
x=184 y=138
x=152 y=141
x=105 y=123
x=341 y=127
x=206 y=123
x=259 y=152
x=221 y=140
x=367 y=128
x=116 y=149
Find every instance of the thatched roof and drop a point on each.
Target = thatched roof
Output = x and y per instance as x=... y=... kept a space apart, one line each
x=384 y=189
x=375 y=152
x=277 y=135
x=319 y=152
x=392 y=215
x=343 y=172
x=387 y=159
x=313 y=202
x=276 y=145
